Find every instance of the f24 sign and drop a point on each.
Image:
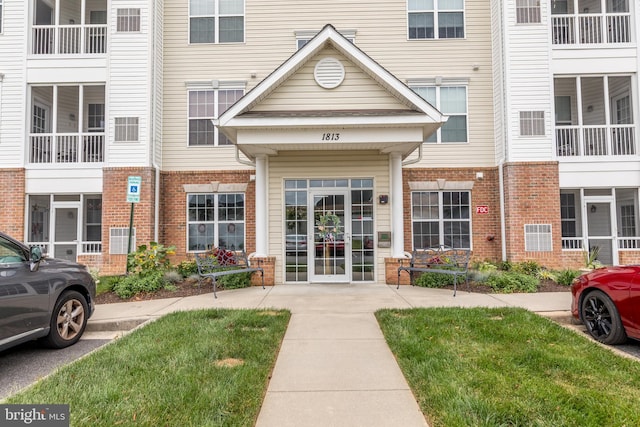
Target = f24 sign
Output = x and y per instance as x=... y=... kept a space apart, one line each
x=482 y=209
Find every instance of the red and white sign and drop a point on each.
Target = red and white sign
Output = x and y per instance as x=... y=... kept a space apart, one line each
x=482 y=209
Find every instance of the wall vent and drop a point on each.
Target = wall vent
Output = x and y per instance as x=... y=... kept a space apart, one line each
x=329 y=73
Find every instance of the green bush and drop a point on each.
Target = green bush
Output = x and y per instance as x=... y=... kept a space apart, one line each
x=510 y=281
x=485 y=266
x=530 y=268
x=134 y=284
x=187 y=268
x=234 y=281
x=434 y=280
x=149 y=259
x=505 y=265
x=565 y=277
x=544 y=274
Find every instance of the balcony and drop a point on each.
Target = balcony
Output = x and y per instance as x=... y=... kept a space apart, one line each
x=66 y=148
x=69 y=39
x=577 y=141
x=590 y=29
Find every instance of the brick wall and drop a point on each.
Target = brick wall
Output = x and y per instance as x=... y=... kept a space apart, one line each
x=173 y=208
x=485 y=228
x=12 y=190
x=532 y=196
x=116 y=212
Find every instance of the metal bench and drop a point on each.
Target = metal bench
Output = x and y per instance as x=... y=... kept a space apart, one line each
x=441 y=260
x=221 y=262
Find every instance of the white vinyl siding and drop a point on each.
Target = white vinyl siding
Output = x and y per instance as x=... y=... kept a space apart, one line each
x=0 y=16
x=129 y=88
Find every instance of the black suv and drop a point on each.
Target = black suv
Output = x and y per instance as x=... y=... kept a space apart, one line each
x=42 y=297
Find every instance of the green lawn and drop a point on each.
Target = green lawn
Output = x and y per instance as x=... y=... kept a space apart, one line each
x=509 y=367
x=197 y=368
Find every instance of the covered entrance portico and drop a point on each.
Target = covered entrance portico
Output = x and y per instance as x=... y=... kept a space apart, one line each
x=327 y=132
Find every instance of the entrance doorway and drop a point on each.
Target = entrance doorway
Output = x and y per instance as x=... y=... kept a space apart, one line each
x=600 y=233
x=329 y=233
x=65 y=229
x=331 y=254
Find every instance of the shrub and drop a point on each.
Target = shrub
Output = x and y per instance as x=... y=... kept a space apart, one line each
x=478 y=276
x=434 y=280
x=510 y=281
x=187 y=268
x=134 y=284
x=234 y=281
x=172 y=276
x=565 y=277
x=148 y=259
x=505 y=265
x=485 y=267
x=530 y=268
x=544 y=274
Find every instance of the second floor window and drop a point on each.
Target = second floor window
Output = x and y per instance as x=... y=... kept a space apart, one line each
x=126 y=129
x=128 y=20
x=435 y=19
x=204 y=106
x=451 y=101
x=216 y=21
x=527 y=11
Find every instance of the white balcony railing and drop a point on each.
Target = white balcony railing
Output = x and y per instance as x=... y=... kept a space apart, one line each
x=86 y=247
x=69 y=39
x=66 y=148
x=609 y=140
x=572 y=243
x=629 y=243
x=591 y=28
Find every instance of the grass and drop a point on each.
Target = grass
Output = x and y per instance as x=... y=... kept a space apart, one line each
x=196 y=368
x=509 y=367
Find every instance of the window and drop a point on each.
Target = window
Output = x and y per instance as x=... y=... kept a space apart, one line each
x=126 y=129
x=537 y=237
x=128 y=20
x=568 y=215
x=215 y=220
x=531 y=123
x=527 y=11
x=95 y=118
x=441 y=218
x=216 y=21
x=452 y=101
x=119 y=240
x=204 y=106
x=424 y=16
x=93 y=218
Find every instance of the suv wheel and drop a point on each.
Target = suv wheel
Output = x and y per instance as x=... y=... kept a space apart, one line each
x=68 y=321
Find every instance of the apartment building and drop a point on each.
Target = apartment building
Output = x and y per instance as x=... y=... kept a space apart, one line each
x=327 y=137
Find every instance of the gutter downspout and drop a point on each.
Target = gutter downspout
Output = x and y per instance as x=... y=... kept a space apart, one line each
x=242 y=161
x=410 y=162
x=505 y=130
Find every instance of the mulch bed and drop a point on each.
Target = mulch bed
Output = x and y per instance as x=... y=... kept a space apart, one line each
x=189 y=288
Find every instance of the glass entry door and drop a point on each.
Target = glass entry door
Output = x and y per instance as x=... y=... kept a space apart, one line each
x=331 y=251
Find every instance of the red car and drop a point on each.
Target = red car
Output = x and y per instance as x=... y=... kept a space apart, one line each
x=607 y=301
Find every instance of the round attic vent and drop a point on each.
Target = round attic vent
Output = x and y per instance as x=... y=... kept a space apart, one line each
x=329 y=73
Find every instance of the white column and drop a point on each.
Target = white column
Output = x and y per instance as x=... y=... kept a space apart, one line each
x=397 y=219
x=261 y=206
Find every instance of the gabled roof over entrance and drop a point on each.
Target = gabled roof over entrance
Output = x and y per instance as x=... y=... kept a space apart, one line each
x=330 y=95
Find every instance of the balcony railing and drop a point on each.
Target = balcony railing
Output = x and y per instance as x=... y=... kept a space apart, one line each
x=613 y=140
x=86 y=247
x=69 y=39
x=66 y=148
x=578 y=243
x=591 y=28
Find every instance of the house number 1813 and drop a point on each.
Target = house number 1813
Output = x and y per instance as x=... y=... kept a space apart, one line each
x=330 y=136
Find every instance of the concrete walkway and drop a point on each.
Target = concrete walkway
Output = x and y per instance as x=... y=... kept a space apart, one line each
x=334 y=367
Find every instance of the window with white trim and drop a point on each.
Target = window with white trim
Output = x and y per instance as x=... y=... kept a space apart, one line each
x=532 y=123
x=528 y=11
x=128 y=20
x=425 y=16
x=216 y=21
x=537 y=238
x=119 y=240
x=206 y=105
x=441 y=218
x=126 y=129
x=451 y=101
x=215 y=220
x=568 y=216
